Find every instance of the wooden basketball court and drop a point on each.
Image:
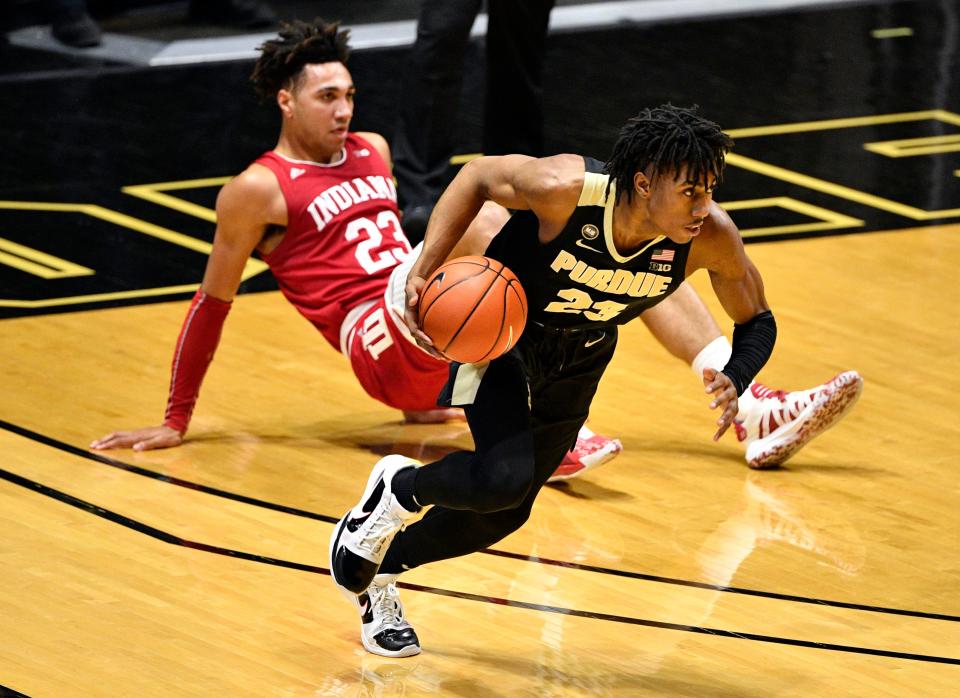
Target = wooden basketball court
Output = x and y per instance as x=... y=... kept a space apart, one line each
x=672 y=571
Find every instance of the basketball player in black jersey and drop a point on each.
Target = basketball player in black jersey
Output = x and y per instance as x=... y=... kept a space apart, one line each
x=593 y=246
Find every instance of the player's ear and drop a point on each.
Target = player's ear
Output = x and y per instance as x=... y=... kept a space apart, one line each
x=284 y=101
x=641 y=184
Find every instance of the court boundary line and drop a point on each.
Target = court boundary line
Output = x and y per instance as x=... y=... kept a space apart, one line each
x=294 y=511
x=164 y=536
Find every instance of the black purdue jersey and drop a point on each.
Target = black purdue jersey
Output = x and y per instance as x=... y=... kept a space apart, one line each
x=579 y=280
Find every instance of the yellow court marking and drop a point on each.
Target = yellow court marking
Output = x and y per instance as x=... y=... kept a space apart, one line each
x=155 y=194
x=251 y=269
x=838 y=190
x=116 y=218
x=827 y=219
x=892 y=33
x=98 y=297
x=911 y=147
x=465 y=158
x=850 y=122
x=38 y=263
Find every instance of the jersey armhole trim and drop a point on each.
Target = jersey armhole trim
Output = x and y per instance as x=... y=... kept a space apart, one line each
x=594 y=191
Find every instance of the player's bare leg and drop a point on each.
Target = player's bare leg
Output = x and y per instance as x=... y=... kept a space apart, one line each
x=482 y=230
x=682 y=324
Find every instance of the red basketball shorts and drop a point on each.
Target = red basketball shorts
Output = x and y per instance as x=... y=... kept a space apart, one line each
x=384 y=357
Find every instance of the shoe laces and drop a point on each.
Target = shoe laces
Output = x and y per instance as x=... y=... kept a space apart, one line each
x=778 y=407
x=385 y=603
x=760 y=391
x=378 y=529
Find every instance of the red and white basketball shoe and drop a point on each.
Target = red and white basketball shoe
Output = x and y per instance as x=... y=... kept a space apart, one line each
x=590 y=451
x=777 y=424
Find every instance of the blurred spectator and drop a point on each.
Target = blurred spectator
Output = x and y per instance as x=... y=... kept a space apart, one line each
x=432 y=82
x=243 y=13
x=71 y=24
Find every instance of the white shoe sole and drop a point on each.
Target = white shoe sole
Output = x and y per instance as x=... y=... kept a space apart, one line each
x=374 y=648
x=783 y=443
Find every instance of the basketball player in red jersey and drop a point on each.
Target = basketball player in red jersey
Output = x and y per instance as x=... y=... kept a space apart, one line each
x=320 y=209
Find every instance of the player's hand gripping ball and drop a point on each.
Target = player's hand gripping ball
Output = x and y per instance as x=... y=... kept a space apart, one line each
x=473 y=309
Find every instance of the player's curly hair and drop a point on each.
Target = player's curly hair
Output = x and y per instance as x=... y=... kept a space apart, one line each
x=668 y=138
x=282 y=59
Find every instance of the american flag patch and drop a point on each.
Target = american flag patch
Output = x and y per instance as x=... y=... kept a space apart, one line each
x=662 y=255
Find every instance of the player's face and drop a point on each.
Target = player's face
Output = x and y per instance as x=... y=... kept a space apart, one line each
x=320 y=107
x=678 y=206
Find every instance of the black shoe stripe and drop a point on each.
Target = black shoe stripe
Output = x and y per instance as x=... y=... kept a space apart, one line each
x=367 y=616
x=335 y=548
x=354 y=524
x=374 y=498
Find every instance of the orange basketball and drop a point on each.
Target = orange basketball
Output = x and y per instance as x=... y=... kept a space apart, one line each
x=473 y=308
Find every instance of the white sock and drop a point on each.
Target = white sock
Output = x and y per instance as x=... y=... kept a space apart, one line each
x=716 y=355
x=585 y=432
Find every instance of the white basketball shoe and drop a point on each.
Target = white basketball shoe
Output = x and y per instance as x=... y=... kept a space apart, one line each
x=361 y=538
x=777 y=424
x=383 y=628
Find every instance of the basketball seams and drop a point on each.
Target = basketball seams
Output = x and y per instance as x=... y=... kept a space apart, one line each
x=503 y=316
x=423 y=291
x=470 y=324
x=514 y=285
x=476 y=305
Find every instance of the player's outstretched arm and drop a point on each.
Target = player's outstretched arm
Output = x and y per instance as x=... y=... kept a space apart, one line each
x=245 y=207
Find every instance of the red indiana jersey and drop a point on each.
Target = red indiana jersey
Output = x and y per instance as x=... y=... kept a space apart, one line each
x=343 y=235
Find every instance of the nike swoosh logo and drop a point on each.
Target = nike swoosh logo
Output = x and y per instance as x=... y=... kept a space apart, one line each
x=591 y=342
x=592 y=249
x=354 y=524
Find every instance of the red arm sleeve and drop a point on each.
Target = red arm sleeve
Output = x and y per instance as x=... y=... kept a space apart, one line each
x=196 y=345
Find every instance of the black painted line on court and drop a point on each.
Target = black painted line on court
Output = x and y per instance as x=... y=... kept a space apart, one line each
x=154 y=475
x=68 y=448
x=194 y=545
x=10 y=693
x=146 y=529
x=733 y=590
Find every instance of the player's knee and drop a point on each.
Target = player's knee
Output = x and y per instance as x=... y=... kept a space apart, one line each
x=502 y=483
x=491 y=218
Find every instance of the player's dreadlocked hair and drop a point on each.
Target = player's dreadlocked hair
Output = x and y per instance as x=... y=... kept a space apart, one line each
x=668 y=138
x=299 y=43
